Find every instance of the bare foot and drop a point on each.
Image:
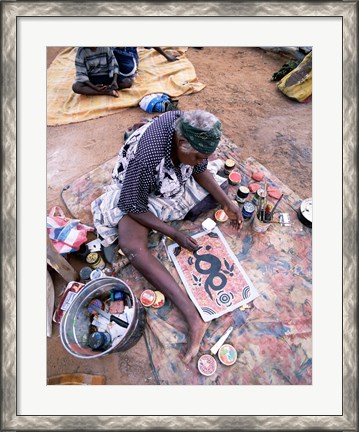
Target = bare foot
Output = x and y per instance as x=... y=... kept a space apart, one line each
x=113 y=93
x=195 y=336
x=110 y=92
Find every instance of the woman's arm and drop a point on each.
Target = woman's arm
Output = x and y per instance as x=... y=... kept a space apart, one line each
x=149 y=220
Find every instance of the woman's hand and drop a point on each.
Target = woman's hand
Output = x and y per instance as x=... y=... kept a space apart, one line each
x=185 y=241
x=235 y=215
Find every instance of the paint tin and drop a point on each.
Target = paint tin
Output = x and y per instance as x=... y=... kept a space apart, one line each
x=220 y=216
x=259 y=195
x=99 y=340
x=117 y=295
x=248 y=210
x=227 y=355
x=242 y=194
x=147 y=298
x=85 y=273
x=95 y=260
x=208 y=224
x=229 y=166
x=159 y=300
x=96 y=302
x=234 y=178
x=95 y=274
x=207 y=365
x=259 y=226
x=83 y=251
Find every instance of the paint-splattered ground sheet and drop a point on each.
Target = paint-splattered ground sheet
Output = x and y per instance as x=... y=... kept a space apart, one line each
x=273 y=333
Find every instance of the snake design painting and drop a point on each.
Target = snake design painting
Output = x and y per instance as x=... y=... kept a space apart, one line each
x=212 y=275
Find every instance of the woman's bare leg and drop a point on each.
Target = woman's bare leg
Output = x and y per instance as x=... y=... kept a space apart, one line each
x=133 y=242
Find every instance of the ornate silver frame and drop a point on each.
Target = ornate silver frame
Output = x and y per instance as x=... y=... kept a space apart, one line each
x=348 y=11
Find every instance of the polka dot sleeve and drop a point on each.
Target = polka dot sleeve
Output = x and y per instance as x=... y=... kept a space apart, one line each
x=136 y=188
x=199 y=168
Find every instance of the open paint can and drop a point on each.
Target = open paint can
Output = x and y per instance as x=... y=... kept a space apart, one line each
x=234 y=178
x=242 y=194
x=207 y=365
x=148 y=297
x=248 y=210
x=227 y=355
x=229 y=166
x=159 y=300
x=220 y=216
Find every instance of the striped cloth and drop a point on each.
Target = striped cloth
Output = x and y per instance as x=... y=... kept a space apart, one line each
x=91 y=63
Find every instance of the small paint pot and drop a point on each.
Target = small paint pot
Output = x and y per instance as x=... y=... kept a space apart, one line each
x=259 y=226
x=159 y=300
x=83 y=251
x=207 y=365
x=259 y=195
x=147 y=298
x=234 y=178
x=242 y=194
x=248 y=210
x=229 y=166
x=85 y=273
x=96 y=274
x=95 y=302
x=99 y=340
x=116 y=295
x=227 y=355
x=220 y=216
x=95 y=260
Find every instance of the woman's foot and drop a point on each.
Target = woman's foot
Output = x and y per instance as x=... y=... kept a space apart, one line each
x=195 y=336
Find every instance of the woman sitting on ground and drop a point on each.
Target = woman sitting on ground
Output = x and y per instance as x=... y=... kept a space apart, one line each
x=160 y=175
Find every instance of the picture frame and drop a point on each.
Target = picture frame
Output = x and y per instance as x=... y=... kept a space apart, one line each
x=11 y=272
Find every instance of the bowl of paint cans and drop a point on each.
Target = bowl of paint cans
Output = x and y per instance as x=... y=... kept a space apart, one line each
x=248 y=210
x=227 y=355
x=234 y=178
x=207 y=365
x=220 y=216
x=242 y=194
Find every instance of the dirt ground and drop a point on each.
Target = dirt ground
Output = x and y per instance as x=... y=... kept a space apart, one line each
x=255 y=115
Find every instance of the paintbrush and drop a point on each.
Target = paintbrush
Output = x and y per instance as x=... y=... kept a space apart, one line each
x=265 y=194
x=163 y=240
x=259 y=215
x=214 y=350
x=275 y=206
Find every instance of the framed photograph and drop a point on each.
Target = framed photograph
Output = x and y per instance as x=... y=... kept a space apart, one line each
x=29 y=28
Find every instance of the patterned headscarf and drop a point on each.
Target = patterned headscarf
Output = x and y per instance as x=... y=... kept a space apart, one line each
x=201 y=140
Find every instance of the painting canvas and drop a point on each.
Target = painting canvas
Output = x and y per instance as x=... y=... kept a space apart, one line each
x=214 y=279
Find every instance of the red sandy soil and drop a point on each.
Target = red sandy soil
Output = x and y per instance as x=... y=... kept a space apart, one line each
x=255 y=115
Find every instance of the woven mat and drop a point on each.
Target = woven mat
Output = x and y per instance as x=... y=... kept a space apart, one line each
x=155 y=75
x=273 y=336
